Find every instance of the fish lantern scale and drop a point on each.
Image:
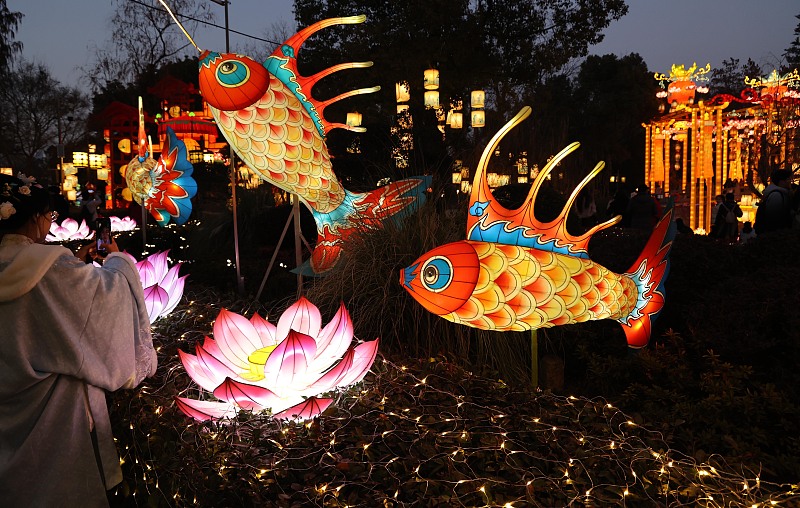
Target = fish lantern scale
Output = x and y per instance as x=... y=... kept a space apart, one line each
x=516 y=273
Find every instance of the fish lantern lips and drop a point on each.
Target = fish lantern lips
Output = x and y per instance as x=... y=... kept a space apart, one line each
x=231 y=82
x=443 y=279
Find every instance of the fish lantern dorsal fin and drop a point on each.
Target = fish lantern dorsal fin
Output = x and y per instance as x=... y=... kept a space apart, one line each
x=282 y=64
x=489 y=221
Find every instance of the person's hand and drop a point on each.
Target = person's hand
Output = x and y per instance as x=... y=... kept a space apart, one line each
x=111 y=246
x=84 y=251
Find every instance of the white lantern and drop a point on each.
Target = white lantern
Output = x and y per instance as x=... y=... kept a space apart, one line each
x=478 y=119
x=456 y=120
x=402 y=92
x=432 y=99
x=431 y=79
x=72 y=195
x=7 y=171
x=102 y=174
x=353 y=119
x=477 y=99
x=457 y=177
x=401 y=108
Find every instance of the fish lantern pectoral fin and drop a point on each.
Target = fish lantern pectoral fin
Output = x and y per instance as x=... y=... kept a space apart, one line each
x=444 y=279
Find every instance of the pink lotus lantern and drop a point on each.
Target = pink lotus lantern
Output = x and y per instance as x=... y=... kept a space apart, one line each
x=68 y=230
x=122 y=224
x=255 y=365
x=163 y=288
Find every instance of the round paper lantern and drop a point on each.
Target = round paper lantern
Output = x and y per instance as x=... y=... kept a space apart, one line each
x=353 y=119
x=431 y=79
x=432 y=99
x=477 y=99
x=124 y=145
x=456 y=120
x=478 y=119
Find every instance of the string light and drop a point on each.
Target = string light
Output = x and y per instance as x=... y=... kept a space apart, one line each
x=410 y=434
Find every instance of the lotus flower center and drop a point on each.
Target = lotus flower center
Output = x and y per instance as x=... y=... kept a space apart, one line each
x=257 y=360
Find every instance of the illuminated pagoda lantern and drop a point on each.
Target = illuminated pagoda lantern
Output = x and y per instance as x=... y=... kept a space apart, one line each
x=682 y=84
x=702 y=148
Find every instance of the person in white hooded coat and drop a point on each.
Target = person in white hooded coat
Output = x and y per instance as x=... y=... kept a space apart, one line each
x=70 y=332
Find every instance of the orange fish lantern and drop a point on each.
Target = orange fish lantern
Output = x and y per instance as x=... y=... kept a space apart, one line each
x=516 y=273
x=268 y=115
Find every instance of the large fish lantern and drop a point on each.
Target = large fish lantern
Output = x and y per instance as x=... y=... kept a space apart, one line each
x=515 y=273
x=267 y=114
x=165 y=187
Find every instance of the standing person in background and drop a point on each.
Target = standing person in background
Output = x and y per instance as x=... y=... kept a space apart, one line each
x=643 y=210
x=718 y=200
x=90 y=205
x=70 y=332
x=775 y=212
x=618 y=206
x=727 y=219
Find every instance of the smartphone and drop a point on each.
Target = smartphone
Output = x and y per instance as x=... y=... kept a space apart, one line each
x=102 y=235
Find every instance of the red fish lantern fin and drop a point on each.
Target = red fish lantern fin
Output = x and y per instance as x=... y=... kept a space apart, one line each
x=521 y=227
x=322 y=105
x=300 y=37
x=649 y=272
x=282 y=63
x=481 y=193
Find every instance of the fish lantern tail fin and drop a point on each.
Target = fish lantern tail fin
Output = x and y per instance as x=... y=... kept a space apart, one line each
x=361 y=212
x=649 y=273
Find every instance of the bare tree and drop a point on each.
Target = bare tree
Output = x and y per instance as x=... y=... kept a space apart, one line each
x=36 y=112
x=144 y=38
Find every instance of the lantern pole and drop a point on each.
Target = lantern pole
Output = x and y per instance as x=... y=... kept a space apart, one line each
x=233 y=175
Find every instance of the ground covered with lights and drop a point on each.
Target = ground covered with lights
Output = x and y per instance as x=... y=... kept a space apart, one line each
x=413 y=433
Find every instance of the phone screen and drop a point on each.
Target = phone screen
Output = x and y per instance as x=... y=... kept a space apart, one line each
x=102 y=235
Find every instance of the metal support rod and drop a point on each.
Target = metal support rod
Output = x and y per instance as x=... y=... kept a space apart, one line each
x=298 y=249
x=233 y=174
x=274 y=255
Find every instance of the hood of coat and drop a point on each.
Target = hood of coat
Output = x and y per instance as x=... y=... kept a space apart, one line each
x=23 y=264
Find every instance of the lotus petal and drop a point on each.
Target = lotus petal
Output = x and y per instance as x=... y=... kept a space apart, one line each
x=204 y=410
x=266 y=330
x=287 y=365
x=160 y=266
x=155 y=298
x=205 y=370
x=331 y=379
x=122 y=224
x=302 y=316
x=363 y=358
x=147 y=272
x=174 y=290
x=306 y=410
x=333 y=340
x=236 y=337
x=246 y=396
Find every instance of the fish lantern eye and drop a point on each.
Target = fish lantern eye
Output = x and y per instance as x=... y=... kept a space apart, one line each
x=230 y=73
x=436 y=274
x=232 y=82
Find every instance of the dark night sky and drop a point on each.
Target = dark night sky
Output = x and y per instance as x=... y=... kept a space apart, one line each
x=59 y=33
